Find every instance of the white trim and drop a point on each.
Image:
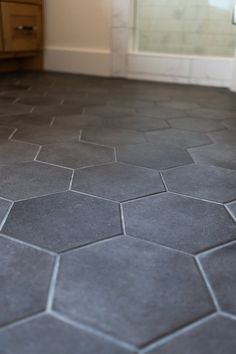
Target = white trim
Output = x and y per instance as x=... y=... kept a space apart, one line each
x=78 y=60
x=207 y=71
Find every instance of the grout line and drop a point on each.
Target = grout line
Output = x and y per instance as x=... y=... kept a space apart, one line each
x=215 y=248
x=6 y=216
x=94 y=196
x=208 y=285
x=12 y=134
x=161 y=245
x=92 y=330
x=52 y=164
x=71 y=181
x=22 y=321
x=228 y=315
x=230 y=212
x=115 y=155
x=196 y=198
x=25 y=243
x=38 y=152
x=52 y=122
x=90 y=244
x=185 y=329
x=53 y=282
x=122 y=219
x=163 y=181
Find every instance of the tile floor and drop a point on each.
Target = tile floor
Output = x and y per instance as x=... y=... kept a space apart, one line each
x=117 y=214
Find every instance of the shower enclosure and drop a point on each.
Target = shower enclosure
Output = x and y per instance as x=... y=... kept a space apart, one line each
x=186 y=41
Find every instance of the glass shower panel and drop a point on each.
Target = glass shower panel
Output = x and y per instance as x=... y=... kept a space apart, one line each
x=191 y=27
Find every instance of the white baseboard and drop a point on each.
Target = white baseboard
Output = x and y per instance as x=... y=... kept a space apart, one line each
x=205 y=71
x=78 y=61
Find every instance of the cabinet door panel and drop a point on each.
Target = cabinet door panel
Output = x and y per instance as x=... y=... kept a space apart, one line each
x=22 y=27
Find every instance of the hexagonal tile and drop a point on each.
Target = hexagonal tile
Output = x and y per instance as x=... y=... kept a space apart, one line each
x=25 y=276
x=63 y=221
x=232 y=209
x=219 y=266
x=15 y=151
x=49 y=335
x=46 y=135
x=196 y=124
x=79 y=121
x=27 y=180
x=216 y=335
x=112 y=136
x=76 y=155
x=180 y=138
x=225 y=137
x=118 y=181
x=21 y=120
x=115 y=285
x=205 y=182
x=205 y=113
x=4 y=207
x=108 y=110
x=5 y=132
x=216 y=155
x=156 y=156
x=230 y=123
x=40 y=100
x=139 y=123
x=160 y=112
x=182 y=105
x=179 y=222
x=9 y=108
x=58 y=110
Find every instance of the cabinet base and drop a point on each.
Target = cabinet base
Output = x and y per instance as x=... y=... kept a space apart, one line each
x=26 y=63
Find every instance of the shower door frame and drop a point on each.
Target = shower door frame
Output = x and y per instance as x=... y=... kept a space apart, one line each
x=185 y=69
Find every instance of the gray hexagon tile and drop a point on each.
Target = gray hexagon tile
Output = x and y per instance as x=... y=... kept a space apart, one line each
x=179 y=222
x=79 y=121
x=225 y=137
x=40 y=101
x=58 y=110
x=232 y=209
x=115 y=285
x=112 y=136
x=196 y=124
x=119 y=182
x=214 y=336
x=230 y=123
x=5 y=132
x=182 y=105
x=216 y=155
x=49 y=335
x=4 y=207
x=21 y=120
x=219 y=266
x=160 y=112
x=8 y=109
x=108 y=110
x=44 y=135
x=139 y=123
x=63 y=221
x=205 y=182
x=32 y=179
x=76 y=155
x=180 y=138
x=25 y=275
x=205 y=113
x=156 y=156
x=15 y=151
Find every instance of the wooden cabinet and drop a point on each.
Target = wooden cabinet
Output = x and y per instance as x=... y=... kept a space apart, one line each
x=21 y=33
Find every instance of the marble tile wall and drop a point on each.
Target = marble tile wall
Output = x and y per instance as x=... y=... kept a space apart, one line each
x=192 y=27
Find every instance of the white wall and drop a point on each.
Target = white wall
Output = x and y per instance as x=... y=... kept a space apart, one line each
x=78 y=36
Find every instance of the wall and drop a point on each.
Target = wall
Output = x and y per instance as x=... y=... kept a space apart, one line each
x=78 y=36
